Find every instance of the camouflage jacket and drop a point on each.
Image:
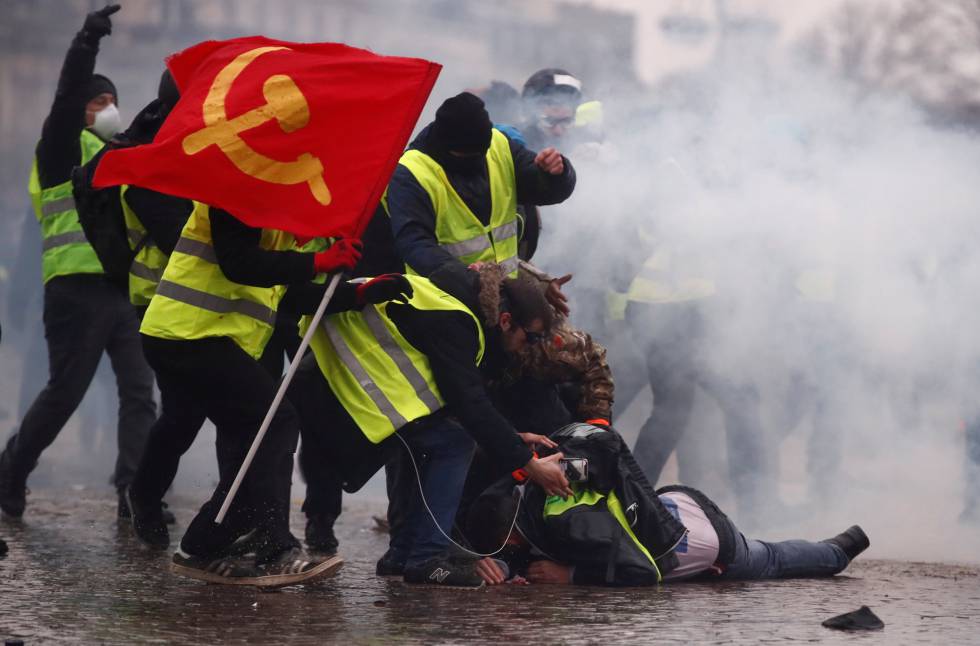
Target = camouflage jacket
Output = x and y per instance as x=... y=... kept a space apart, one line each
x=570 y=355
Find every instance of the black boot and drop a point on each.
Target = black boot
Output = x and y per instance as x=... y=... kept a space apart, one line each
x=319 y=534
x=13 y=487
x=148 y=522
x=852 y=540
x=124 y=511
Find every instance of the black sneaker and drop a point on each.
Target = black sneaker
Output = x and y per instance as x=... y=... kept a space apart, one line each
x=852 y=540
x=124 y=510
x=13 y=488
x=293 y=567
x=388 y=566
x=319 y=534
x=149 y=524
x=227 y=570
x=445 y=573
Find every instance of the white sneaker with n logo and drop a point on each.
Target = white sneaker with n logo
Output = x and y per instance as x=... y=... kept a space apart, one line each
x=439 y=575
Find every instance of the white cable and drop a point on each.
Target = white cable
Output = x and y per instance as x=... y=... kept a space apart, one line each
x=418 y=479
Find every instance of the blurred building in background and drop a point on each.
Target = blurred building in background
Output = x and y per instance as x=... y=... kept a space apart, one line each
x=476 y=41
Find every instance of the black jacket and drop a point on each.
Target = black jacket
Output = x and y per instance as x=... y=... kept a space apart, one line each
x=163 y=216
x=244 y=261
x=58 y=150
x=413 y=218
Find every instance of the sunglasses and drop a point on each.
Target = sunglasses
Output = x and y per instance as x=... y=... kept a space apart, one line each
x=532 y=337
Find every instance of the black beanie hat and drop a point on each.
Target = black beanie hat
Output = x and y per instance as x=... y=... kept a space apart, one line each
x=167 y=92
x=463 y=125
x=99 y=85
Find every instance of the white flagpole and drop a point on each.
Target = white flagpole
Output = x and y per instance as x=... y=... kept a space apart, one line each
x=305 y=343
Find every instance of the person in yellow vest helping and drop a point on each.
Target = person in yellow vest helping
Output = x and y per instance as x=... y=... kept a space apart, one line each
x=453 y=196
x=84 y=314
x=413 y=369
x=204 y=334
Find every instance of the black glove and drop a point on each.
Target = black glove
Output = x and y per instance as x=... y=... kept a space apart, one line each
x=386 y=287
x=97 y=24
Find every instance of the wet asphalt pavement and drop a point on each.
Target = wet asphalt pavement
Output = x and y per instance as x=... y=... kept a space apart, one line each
x=76 y=575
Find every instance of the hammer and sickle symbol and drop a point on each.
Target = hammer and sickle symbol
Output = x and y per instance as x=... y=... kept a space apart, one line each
x=284 y=102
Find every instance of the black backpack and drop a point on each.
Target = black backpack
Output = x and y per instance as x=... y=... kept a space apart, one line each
x=101 y=216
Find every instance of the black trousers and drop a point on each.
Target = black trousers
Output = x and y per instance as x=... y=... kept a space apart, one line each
x=178 y=425
x=324 y=493
x=671 y=338
x=214 y=378
x=84 y=316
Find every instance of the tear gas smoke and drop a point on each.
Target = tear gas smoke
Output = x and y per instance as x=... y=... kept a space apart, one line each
x=835 y=232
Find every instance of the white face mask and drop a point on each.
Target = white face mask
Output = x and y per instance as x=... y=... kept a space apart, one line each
x=107 y=122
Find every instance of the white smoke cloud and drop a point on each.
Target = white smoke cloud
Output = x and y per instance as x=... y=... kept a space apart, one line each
x=837 y=230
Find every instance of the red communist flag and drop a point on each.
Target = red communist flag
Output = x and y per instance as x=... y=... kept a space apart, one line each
x=292 y=136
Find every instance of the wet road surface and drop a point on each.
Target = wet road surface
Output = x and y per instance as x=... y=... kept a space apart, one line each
x=76 y=575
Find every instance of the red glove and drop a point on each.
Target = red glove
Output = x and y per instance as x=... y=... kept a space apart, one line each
x=342 y=254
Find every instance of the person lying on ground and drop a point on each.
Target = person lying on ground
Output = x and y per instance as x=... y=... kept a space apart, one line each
x=616 y=530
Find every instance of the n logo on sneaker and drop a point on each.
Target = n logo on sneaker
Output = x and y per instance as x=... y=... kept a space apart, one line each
x=439 y=575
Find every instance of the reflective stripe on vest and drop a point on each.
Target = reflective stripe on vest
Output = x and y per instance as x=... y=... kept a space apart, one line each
x=63 y=239
x=405 y=365
x=196 y=248
x=214 y=303
x=555 y=506
x=148 y=264
x=57 y=206
x=360 y=373
x=195 y=300
x=382 y=380
x=64 y=248
x=458 y=230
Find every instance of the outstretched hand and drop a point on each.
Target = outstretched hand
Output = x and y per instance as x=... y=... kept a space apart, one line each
x=98 y=23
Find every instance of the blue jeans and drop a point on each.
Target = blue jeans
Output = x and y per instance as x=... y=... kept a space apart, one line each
x=756 y=559
x=442 y=450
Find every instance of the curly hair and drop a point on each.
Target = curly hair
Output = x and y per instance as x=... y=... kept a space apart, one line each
x=521 y=296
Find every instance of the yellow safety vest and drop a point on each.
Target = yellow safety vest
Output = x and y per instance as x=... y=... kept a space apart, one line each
x=380 y=378
x=555 y=506
x=64 y=248
x=195 y=300
x=460 y=232
x=147 y=268
x=660 y=281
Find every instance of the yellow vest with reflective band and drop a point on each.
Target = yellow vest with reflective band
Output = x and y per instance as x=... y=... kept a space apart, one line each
x=148 y=265
x=195 y=300
x=64 y=248
x=460 y=232
x=660 y=281
x=380 y=378
x=555 y=506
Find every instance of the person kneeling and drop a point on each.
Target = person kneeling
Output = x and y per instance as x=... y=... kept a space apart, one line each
x=405 y=369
